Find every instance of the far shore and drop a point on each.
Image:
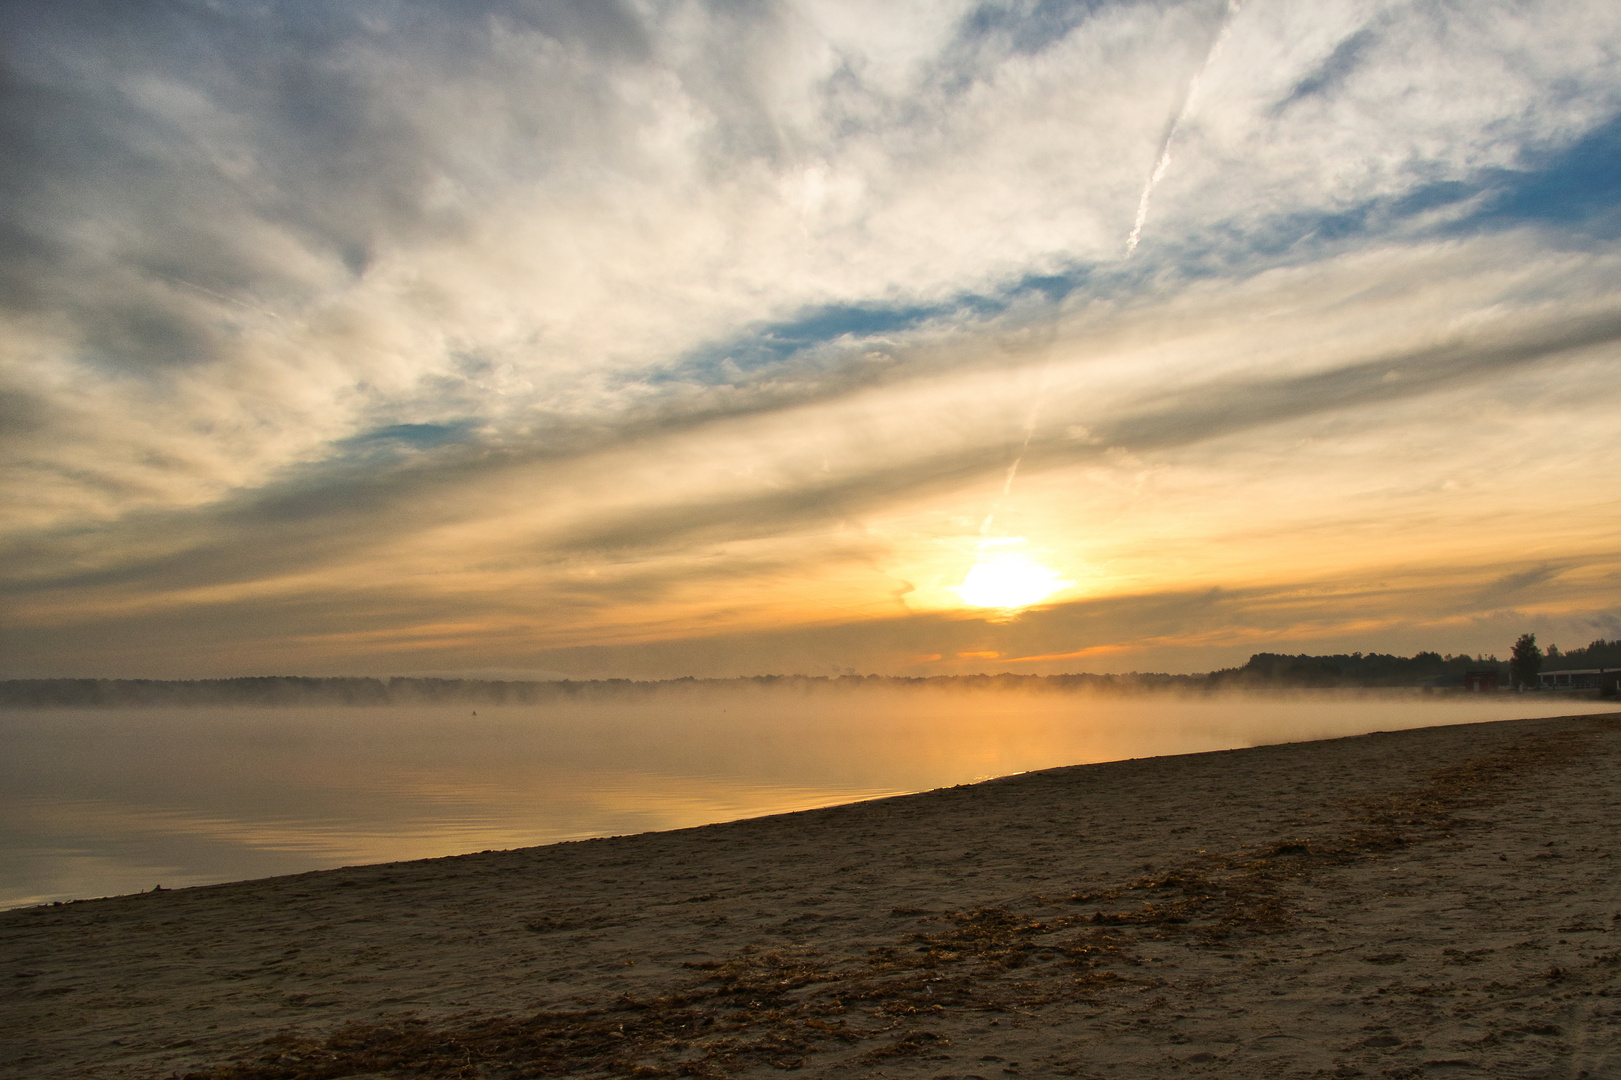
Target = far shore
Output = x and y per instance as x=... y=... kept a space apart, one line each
x=1437 y=901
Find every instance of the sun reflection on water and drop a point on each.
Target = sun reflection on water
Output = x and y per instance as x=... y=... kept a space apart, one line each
x=95 y=802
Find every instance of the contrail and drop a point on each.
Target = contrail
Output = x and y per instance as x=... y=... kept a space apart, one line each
x=222 y=296
x=1013 y=469
x=1188 y=100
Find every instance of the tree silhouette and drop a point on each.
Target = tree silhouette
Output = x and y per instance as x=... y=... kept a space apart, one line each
x=1525 y=662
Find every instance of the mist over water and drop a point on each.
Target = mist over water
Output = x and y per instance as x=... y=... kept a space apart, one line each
x=100 y=802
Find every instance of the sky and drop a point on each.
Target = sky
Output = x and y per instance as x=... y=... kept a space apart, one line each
x=588 y=338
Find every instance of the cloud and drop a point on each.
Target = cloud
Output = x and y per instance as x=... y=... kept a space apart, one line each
x=490 y=298
x=1507 y=587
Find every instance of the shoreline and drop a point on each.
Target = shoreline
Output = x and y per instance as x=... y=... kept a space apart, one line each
x=1315 y=907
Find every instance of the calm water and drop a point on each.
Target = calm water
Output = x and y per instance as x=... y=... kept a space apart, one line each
x=94 y=803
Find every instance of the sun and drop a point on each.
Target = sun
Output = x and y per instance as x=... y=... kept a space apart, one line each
x=1009 y=580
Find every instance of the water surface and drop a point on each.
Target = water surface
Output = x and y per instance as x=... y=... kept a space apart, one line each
x=100 y=802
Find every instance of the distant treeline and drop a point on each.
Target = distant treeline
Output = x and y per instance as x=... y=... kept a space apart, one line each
x=1264 y=670
x=299 y=690
x=1357 y=669
x=1596 y=654
x=285 y=690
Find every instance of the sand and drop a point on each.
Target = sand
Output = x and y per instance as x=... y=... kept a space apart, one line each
x=1439 y=902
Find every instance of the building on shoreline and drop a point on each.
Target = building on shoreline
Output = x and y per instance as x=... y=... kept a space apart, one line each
x=1580 y=679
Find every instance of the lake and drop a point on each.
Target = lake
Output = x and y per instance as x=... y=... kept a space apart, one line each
x=101 y=802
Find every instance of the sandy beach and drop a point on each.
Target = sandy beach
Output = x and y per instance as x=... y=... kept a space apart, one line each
x=1436 y=902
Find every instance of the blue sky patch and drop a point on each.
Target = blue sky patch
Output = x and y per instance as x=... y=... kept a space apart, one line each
x=1572 y=184
x=1028 y=27
x=416 y=436
x=392 y=442
x=768 y=345
x=1332 y=72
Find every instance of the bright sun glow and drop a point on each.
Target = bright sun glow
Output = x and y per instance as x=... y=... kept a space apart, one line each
x=1009 y=581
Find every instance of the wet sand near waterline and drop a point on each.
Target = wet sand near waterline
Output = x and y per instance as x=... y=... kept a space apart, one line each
x=1435 y=902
